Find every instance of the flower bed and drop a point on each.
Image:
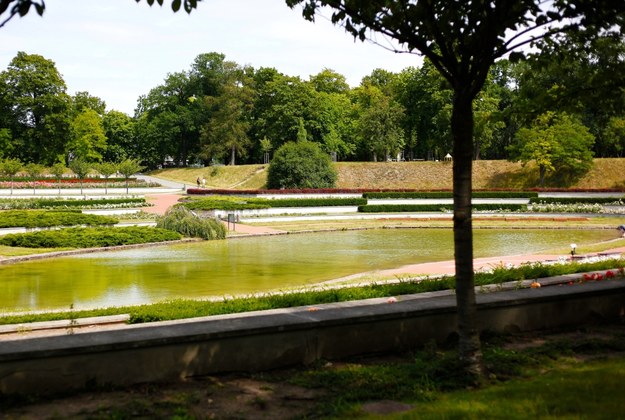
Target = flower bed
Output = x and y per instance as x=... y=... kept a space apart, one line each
x=74 y=183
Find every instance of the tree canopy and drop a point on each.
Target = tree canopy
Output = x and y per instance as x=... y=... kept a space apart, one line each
x=463 y=39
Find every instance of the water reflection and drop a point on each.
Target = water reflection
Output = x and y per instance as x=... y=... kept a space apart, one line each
x=241 y=266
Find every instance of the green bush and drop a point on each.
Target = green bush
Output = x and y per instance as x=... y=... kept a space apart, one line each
x=300 y=165
x=92 y=237
x=224 y=203
x=43 y=218
x=181 y=220
x=403 y=208
x=240 y=203
x=447 y=194
x=578 y=200
x=316 y=202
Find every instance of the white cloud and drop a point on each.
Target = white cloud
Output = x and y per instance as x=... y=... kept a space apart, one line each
x=119 y=50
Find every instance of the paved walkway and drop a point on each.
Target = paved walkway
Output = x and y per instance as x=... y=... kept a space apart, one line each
x=161 y=202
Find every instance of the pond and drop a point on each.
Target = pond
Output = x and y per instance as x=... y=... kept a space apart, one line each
x=248 y=265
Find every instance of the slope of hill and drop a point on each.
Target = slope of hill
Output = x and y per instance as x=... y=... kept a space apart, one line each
x=487 y=174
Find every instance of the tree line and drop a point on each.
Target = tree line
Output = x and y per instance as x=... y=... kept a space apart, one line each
x=558 y=108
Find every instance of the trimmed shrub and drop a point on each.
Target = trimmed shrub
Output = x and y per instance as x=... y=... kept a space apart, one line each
x=416 y=208
x=43 y=218
x=180 y=219
x=227 y=203
x=578 y=200
x=301 y=165
x=92 y=237
x=224 y=203
x=447 y=194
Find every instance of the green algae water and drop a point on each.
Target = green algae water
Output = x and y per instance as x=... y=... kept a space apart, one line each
x=248 y=265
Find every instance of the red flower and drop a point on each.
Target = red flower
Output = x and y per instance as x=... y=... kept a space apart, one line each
x=599 y=276
x=587 y=277
x=609 y=274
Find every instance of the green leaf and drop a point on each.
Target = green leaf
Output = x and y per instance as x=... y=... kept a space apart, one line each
x=175 y=5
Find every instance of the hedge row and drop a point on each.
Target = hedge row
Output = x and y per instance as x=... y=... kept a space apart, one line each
x=42 y=203
x=91 y=237
x=312 y=202
x=43 y=218
x=417 y=208
x=578 y=200
x=240 y=203
x=221 y=204
x=447 y=194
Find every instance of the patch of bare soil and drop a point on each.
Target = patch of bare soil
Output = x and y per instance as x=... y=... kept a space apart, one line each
x=233 y=397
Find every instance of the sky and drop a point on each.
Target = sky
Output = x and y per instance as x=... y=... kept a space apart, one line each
x=118 y=50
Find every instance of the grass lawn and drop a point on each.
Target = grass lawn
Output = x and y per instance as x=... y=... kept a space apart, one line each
x=571 y=389
x=10 y=251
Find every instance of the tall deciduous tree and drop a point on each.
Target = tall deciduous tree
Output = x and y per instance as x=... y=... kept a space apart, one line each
x=463 y=39
x=88 y=140
x=35 y=107
x=119 y=130
x=82 y=101
x=555 y=142
x=226 y=131
x=379 y=126
x=577 y=75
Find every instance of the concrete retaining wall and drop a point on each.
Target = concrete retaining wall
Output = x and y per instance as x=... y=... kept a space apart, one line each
x=170 y=351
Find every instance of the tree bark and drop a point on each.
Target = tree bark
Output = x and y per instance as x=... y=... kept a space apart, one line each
x=233 y=153
x=462 y=131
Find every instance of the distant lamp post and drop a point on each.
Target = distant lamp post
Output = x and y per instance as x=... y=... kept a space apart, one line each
x=573 y=248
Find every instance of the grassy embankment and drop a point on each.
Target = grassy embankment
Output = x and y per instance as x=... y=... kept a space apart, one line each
x=487 y=174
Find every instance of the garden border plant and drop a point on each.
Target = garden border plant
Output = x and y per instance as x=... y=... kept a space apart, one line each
x=95 y=203
x=91 y=237
x=52 y=218
x=404 y=208
x=252 y=203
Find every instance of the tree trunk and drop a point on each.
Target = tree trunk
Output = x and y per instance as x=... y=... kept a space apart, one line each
x=233 y=154
x=462 y=131
x=542 y=171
